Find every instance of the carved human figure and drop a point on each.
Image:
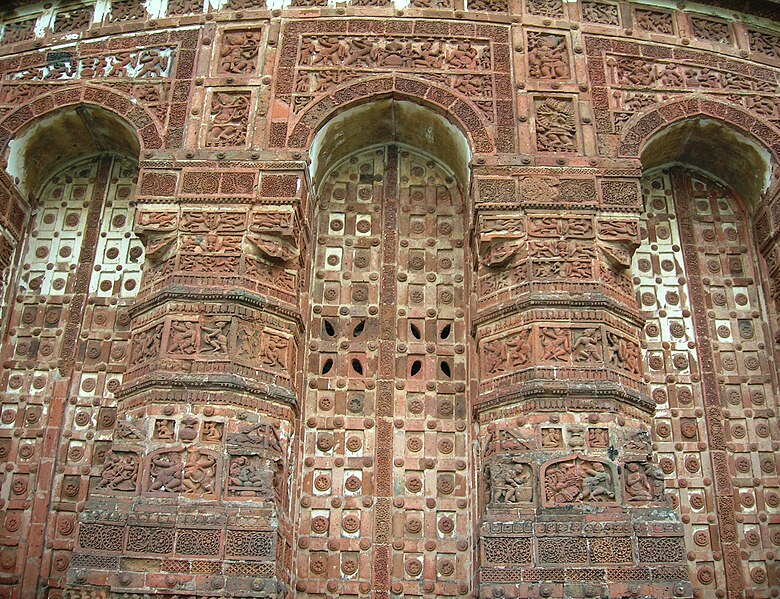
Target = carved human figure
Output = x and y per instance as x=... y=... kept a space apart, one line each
x=360 y=51
x=214 y=339
x=494 y=356
x=199 y=472
x=152 y=63
x=325 y=51
x=146 y=344
x=128 y=431
x=638 y=442
x=463 y=56
x=273 y=350
x=512 y=484
x=556 y=345
x=637 y=484
x=551 y=438
x=429 y=55
x=562 y=483
x=239 y=53
x=211 y=431
x=519 y=348
x=637 y=72
x=230 y=113
x=598 y=438
x=166 y=472
x=578 y=480
x=183 y=338
x=249 y=472
x=498 y=254
x=163 y=429
x=655 y=477
x=587 y=347
x=623 y=353
x=120 y=62
x=261 y=435
x=119 y=471
x=597 y=482
x=547 y=59
x=556 y=125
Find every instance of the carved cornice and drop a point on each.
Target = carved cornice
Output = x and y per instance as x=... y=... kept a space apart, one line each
x=547 y=300
x=239 y=296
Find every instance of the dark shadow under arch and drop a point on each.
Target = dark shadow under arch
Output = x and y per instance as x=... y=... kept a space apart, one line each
x=49 y=142
x=122 y=126
x=389 y=121
x=707 y=134
x=454 y=108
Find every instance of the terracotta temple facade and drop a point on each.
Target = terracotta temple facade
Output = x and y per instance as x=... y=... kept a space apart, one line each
x=377 y=300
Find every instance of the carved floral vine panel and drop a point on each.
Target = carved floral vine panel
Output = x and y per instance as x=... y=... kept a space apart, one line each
x=705 y=358
x=385 y=435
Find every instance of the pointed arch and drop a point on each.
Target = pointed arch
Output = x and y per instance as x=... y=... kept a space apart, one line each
x=452 y=106
x=686 y=130
x=137 y=116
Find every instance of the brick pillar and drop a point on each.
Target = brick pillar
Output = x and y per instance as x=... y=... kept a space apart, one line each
x=192 y=493
x=13 y=216
x=572 y=500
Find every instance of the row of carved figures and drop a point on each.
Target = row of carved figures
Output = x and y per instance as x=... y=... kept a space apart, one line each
x=569 y=481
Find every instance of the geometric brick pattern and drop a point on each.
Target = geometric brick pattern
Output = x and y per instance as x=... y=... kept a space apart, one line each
x=226 y=375
x=705 y=360
x=385 y=436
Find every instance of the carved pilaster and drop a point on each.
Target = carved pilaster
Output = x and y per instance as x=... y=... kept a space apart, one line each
x=568 y=480
x=195 y=482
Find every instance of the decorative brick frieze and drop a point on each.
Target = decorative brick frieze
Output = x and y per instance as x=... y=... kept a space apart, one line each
x=515 y=337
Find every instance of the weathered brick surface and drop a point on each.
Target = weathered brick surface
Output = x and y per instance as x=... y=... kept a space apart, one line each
x=239 y=363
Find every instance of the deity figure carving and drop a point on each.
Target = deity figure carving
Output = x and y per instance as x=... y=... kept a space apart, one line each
x=587 y=346
x=644 y=481
x=547 y=58
x=120 y=470
x=166 y=472
x=199 y=472
x=252 y=474
x=578 y=480
x=509 y=482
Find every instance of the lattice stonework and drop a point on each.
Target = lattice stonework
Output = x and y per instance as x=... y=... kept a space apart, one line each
x=386 y=434
x=710 y=374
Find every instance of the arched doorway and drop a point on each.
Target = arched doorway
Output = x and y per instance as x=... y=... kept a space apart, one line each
x=65 y=340
x=385 y=494
x=79 y=267
x=708 y=361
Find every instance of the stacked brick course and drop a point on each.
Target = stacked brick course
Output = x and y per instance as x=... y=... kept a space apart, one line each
x=239 y=361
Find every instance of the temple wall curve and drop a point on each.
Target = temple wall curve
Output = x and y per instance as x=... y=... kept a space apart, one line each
x=389 y=298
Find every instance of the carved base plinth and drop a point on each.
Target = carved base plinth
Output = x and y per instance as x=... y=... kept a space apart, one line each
x=177 y=548
x=582 y=552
